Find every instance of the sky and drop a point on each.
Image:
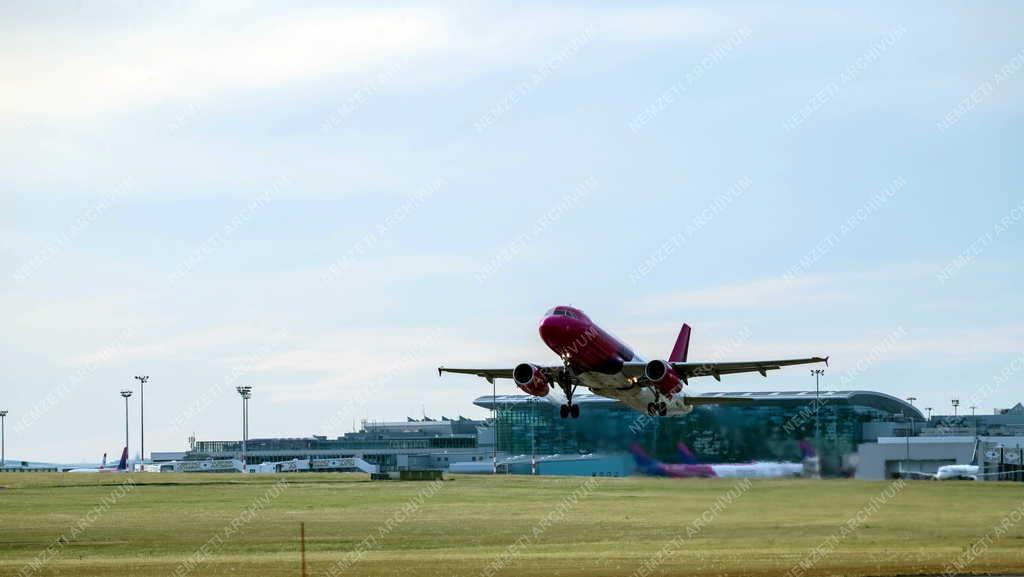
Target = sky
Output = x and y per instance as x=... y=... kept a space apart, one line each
x=328 y=201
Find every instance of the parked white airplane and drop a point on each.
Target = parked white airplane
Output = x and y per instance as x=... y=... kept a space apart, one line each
x=122 y=466
x=952 y=472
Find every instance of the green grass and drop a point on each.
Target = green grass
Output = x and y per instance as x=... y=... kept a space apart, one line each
x=470 y=522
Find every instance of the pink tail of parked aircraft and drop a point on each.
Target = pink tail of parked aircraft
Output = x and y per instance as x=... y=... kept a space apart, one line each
x=122 y=465
x=592 y=358
x=691 y=467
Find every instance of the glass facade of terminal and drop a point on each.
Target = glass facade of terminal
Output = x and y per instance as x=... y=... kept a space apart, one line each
x=715 y=433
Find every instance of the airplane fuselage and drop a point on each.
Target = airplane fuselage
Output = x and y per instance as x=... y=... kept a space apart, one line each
x=597 y=359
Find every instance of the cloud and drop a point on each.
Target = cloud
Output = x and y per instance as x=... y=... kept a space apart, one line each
x=90 y=65
x=778 y=292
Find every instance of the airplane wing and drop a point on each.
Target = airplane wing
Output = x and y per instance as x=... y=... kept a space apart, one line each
x=716 y=370
x=491 y=374
x=917 y=475
x=687 y=370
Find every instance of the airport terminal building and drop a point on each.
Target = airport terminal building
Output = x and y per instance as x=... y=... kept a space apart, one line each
x=767 y=429
x=410 y=444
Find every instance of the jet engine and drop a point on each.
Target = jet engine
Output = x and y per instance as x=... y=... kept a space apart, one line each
x=663 y=377
x=531 y=379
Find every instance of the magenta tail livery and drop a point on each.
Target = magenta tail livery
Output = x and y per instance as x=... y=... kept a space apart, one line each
x=690 y=467
x=594 y=359
x=682 y=347
x=122 y=465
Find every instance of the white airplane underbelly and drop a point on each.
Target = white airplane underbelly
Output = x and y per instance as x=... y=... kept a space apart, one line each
x=617 y=387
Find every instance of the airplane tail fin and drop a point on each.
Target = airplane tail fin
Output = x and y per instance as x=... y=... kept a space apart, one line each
x=103 y=463
x=686 y=456
x=807 y=451
x=682 y=347
x=123 y=464
x=642 y=459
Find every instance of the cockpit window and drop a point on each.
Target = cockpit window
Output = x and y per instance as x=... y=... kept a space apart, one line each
x=570 y=314
x=559 y=312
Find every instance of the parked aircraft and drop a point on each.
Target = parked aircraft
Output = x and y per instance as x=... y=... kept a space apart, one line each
x=965 y=472
x=690 y=467
x=122 y=466
x=593 y=358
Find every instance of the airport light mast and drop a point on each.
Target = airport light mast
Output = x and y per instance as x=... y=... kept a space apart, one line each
x=494 y=450
x=142 y=419
x=246 y=393
x=126 y=393
x=533 y=435
x=3 y=440
x=817 y=401
x=955 y=403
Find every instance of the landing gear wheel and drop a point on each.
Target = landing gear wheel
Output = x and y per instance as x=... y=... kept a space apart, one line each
x=652 y=409
x=563 y=411
x=662 y=409
x=574 y=411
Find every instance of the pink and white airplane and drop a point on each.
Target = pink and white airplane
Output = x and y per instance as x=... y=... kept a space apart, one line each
x=122 y=465
x=594 y=359
x=691 y=467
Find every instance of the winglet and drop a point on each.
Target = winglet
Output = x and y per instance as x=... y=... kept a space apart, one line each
x=439 y=369
x=826 y=361
x=682 y=347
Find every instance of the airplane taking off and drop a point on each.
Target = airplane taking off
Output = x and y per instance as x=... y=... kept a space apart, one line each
x=122 y=466
x=691 y=467
x=594 y=359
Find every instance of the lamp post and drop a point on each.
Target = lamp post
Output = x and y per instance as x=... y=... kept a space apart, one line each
x=955 y=403
x=142 y=419
x=929 y=409
x=3 y=440
x=126 y=393
x=494 y=451
x=533 y=435
x=906 y=433
x=817 y=401
x=245 y=392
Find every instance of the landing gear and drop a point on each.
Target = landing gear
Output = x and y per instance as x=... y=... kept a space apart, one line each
x=568 y=384
x=657 y=409
x=566 y=411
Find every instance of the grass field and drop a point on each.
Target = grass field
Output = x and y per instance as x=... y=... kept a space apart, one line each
x=167 y=524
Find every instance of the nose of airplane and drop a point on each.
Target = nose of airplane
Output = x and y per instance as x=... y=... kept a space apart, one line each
x=557 y=330
x=552 y=327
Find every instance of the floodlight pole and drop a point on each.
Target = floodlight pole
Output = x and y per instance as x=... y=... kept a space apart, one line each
x=245 y=392
x=955 y=403
x=494 y=451
x=126 y=393
x=142 y=420
x=533 y=435
x=817 y=401
x=3 y=439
